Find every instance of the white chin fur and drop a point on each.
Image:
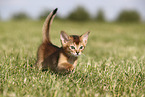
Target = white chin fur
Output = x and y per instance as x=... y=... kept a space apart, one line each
x=76 y=55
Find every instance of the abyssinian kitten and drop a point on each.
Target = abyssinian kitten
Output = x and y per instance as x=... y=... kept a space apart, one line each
x=59 y=59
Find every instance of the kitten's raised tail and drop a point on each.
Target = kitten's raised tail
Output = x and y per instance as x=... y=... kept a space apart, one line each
x=47 y=25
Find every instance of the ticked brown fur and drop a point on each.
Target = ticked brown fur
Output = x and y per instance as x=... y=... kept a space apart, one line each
x=59 y=59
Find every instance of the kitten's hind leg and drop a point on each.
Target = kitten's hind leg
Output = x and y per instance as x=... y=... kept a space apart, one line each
x=38 y=64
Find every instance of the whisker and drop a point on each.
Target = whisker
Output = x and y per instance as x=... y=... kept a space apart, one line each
x=83 y=54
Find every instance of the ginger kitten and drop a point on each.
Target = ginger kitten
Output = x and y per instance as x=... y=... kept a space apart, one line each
x=59 y=59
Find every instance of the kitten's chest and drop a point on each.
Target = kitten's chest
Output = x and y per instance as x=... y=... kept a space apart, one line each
x=71 y=60
x=64 y=59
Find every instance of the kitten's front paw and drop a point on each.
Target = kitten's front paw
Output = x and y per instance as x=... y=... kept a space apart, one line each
x=70 y=68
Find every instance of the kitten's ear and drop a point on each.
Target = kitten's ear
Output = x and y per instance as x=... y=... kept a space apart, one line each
x=64 y=37
x=84 y=37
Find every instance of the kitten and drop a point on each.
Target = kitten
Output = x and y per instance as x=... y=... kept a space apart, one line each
x=59 y=59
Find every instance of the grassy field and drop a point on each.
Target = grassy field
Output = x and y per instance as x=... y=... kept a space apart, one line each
x=113 y=63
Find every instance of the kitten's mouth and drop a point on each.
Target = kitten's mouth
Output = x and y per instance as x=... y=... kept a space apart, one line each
x=76 y=54
x=73 y=54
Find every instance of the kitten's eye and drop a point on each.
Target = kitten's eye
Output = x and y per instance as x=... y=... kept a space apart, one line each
x=81 y=47
x=72 y=47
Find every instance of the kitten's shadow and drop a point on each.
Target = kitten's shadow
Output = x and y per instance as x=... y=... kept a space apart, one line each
x=57 y=73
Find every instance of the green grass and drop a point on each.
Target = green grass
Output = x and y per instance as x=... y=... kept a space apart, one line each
x=113 y=63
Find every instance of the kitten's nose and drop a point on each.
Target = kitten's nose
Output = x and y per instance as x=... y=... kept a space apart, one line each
x=77 y=52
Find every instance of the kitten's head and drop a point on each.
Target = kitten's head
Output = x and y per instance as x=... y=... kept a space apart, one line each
x=74 y=44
